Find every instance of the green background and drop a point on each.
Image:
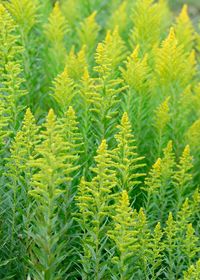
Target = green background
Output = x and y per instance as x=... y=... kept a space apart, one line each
x=194 y=5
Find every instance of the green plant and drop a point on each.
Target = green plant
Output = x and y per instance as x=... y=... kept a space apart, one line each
x=99 y=140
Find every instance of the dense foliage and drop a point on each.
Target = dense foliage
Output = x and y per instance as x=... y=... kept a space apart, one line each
x=99 y=141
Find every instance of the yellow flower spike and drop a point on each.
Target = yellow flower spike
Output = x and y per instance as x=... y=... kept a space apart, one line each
x=108 y=38
x=170 y=219
x=72 y=136
x=168 y=160
x=56 y=28
x=9 y=48
x=162 y=115
x=191 y=70
x=124 y=233
x=50 y=183
x=170 y=233
x=82 y=200
x=98 y=205
x=141 y=216
x=71 y=112
x=190 y=243
x=12 y=90
x=135 y=53
x=51 y=117
x=193 y=272
x=76 y=63
x=156 y=249
x=108 y=88
x=146 y=18
x=184 y=214
x=192 y=57
x=184 y=29
x=125 y=199
x=63 y=90
x=111 y=52
x=125 y=119
x=89 y=96
x=186 y=152
x=119 y=17
x=157 y=166
x=171 y=38
x=193 y=135
x=86 y=74
x=55 y=31
x=184 y=13
x=183 y=176
x=102 y=147
x=153 y=181
x=22 y=150
x=173 y=73
x=136 y=71
x=24 y=13
x=88 y=32
x=126 y=160
x=159 y=183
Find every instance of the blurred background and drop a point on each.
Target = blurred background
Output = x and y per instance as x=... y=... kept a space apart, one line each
x=177 y=3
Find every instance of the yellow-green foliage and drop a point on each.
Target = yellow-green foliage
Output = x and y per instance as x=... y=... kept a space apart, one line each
x=193 y=273
x=183 y=177
x=99 y=140
x=159 y=184
x=11 y=91
x=184 y=29
x=56 y=28
x=153 y=181
x=124 y=234
x=136 y=71
x=110 y=53
x=119 y=17
x=55 y=31
x=107 y=86
x=3 y=124
x=174 y=68
x=10 y=69
x=51 y=155
x=48 y=185
x=71 y=11
x=193 y=134
x=76 y=63
x=147 y=18
x=162 y=118
x=180 y=235
x=24 y=13
x=127 y=162
x=22 y=149
x=156 y=248
x=94 y=202
x=88 y=32
x=72 y=138
x=8 y=40
x=19 y=173
x=64 y=90
x=170 y=233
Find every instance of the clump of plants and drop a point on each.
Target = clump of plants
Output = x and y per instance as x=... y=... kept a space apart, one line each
x=99 y=141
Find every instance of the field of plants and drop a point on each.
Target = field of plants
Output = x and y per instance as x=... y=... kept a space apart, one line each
x=99 y=141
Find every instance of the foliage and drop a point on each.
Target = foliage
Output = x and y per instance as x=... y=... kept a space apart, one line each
x=99 y=141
